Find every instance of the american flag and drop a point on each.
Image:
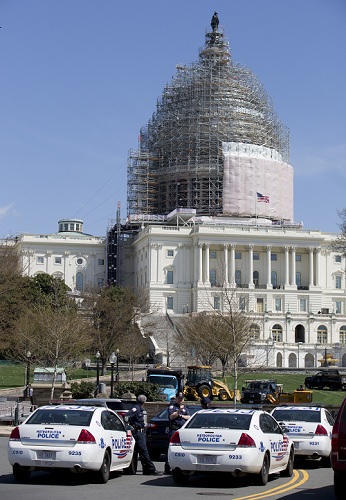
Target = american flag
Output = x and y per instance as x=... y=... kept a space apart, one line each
x=262 y=197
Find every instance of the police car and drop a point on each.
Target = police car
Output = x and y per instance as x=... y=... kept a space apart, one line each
x=73 y=437
x=310 y=429
x=235 y=441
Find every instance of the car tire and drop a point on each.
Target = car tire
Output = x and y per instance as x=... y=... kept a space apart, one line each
x=180 y=477
x=223 y=396
x=102 y=475
x=290 y=465
x=131 y=470
x=204 y=391
x=20 y=474
x=339 y=486
x=325 y=462
x=263 y=476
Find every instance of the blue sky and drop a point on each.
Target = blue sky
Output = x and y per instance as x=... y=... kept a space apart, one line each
x=79 y=78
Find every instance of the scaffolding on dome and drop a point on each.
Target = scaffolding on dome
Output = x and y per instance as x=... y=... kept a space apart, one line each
x=179 y=160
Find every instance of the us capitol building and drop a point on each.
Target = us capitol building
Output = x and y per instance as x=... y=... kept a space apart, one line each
x=210 y=211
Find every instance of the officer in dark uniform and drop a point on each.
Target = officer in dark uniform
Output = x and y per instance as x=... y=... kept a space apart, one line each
x=177 y=415
x=135 y=417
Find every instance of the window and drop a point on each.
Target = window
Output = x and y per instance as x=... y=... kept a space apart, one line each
x=260 y=305
x=238 y=255
x=237 y=278
x=256 y=278
x=170 y=253
x=322 y=334
x=170 y=303
x=77 y=227
x=274 y=278
x=57 y=260
x=298 y=258
x=342 y=335
x=217 y=303
x=65 y=227
x=274 y=256
x=212 y=277
x=299 y=279
x=100 y=262
x=39 y=260
x=278 y=304
x=338 y=307
x=255 y=256
x=79 y=281
x=302 y=305
x=277 y=333
x=242 y=303
x=212 y=255
x=337 y=258
x=254 y=331
x=71 y=227
x=338 y=281
x=170 y=277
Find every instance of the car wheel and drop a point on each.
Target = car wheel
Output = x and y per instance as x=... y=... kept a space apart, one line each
x=325 y=461
x=102 y=475
x=204 y=391
x=180 y=477
x=339 y=486
x=263 y=476
x=132 y=468
x=20 y=474
x=290 y=464
x=223 y=396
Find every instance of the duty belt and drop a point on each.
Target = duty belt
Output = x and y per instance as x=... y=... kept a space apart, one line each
x=139 y=429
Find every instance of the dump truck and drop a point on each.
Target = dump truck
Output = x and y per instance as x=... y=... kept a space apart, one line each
x=169 y=381
x=200 y=383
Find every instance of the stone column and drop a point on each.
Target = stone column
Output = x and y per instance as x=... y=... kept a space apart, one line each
x=250 y=280
x=293 y=270
x=232 y=280
x=200 y=263
x=318 y=265
x=206 y=257
x=226 y=279
x=311 y=267
x=269 y=267
x=152 y=263
x=287 y=278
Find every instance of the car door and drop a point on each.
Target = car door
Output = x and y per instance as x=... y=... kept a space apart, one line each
x=276 y=441
x=118 y=439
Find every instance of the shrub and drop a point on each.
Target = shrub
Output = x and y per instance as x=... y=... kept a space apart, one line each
x=82 y=389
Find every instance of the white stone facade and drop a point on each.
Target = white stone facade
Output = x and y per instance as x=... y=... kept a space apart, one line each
x=291 y=282
x=71 y=255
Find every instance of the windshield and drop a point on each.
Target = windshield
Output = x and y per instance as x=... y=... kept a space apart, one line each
x=61 y=417
x=164 y=381
x=217 y=421
x=297 y=415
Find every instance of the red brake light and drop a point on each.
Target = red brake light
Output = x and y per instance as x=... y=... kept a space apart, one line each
x=175 y=439
x=152 y=425
x=246 y=441
x=15 y=435
x=321 y=431
x=86 y=437
x=121 y=413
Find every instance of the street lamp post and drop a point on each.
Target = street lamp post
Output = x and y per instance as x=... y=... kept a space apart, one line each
x=112 y=360
x=117 y=374
x=28 y=358
x=148 y=356
x=97 y=355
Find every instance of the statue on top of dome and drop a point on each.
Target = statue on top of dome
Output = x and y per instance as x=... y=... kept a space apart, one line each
x=215 y=21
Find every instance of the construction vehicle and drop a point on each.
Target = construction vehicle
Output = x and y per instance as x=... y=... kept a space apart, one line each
x=269 y=391
x=169 y=381
x=199 y=383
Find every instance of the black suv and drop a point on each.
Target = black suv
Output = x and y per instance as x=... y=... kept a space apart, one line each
x=338 y=454
x=332 y=379
x=120 y=406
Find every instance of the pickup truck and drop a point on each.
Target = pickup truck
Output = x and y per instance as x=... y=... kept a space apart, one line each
x=332 y=379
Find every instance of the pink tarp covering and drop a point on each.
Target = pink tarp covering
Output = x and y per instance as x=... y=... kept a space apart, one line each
x=245 y=175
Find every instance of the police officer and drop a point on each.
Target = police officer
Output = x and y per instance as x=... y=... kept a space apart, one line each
x=205 y=403
x=177 y=415
x=135 y=417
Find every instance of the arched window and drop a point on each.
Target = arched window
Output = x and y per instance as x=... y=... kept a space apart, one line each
x=237 y=277
x=212 y=277
x=256 y=278
x=277 y=333
x=299 y=279
x=279 y=360
x=274 y=278
x=254 y=331
x=342 y=335
x=79 y=281
x=322 y=333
